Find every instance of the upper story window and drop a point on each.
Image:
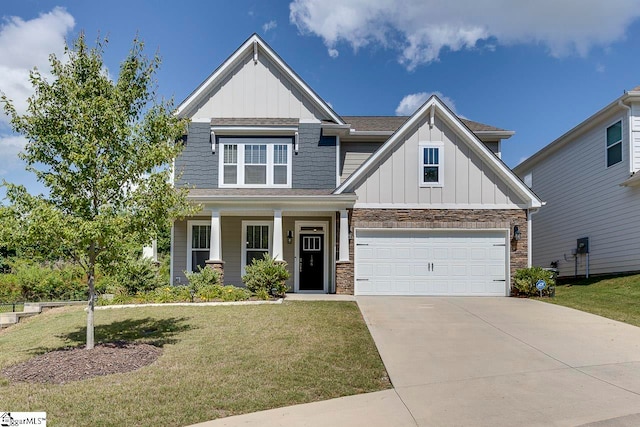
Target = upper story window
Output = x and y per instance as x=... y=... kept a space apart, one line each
x=614 y=143
x=430 y=161
x=255 y=162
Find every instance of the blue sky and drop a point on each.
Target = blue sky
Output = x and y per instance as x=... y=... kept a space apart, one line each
x=538 y=69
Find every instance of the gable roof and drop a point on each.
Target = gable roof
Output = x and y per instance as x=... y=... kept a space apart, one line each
x=255 y=42
x=430 y=107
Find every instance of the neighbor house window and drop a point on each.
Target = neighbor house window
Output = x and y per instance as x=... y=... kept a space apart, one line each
x=614 y=144
x=430 y=160
x=256 y=237
x=199 y=241
x=255 y=162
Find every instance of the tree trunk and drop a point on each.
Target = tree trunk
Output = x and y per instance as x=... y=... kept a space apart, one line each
x=92 y=298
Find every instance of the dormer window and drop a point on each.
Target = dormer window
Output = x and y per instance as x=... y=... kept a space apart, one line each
x=255 y=162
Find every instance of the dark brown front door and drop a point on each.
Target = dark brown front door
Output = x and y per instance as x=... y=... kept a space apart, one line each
x=311 y=267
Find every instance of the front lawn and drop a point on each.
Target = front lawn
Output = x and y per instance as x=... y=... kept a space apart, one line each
x=617 y=298
x=216 y=362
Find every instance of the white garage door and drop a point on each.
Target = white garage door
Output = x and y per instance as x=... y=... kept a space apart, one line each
x=421 y=262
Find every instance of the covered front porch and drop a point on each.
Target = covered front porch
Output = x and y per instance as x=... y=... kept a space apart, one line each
x=310 y=232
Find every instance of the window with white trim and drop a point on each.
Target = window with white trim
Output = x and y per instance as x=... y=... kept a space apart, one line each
x=257 y=241
x=614 y=143
x=199 y=239
x=255 y=162
x=430 y=161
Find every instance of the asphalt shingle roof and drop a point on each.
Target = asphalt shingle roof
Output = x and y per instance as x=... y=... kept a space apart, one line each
x=392 y=123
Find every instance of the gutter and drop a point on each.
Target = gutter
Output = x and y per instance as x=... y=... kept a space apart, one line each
x=629 y=133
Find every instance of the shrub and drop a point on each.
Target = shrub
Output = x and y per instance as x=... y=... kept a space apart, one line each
x=223 y=293
x=525 y=279
x=266 y=277
x=137 y=275
x=202 y=278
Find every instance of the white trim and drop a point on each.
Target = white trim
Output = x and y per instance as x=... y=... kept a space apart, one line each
x=254 y=130
x=431 y=144
x=243 y=242
x=337 y=161
x=270 y=54
x=215 y=244
x=190 y=225
x=505 y=231
x=472 y=141
x=172 y=251
x=436 y=206
x=296 y=260
x=269 y=165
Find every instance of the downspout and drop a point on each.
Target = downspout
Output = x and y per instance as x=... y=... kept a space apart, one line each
x=629 y=135
x=530 y=213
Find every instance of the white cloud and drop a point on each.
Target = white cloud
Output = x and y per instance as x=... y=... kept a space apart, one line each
x=420 y=29
x=10 y=146
x=413 y=101
x=600 y=68
x=268 y=26
x=28 y=44
x=333 y=53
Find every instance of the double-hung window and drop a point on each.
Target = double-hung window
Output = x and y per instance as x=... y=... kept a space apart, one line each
x=256 y=236
x=614 y=143
x=255 y=162
x=430 y=161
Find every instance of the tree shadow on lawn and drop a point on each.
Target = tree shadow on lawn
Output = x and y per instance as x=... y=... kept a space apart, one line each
x=157 y=332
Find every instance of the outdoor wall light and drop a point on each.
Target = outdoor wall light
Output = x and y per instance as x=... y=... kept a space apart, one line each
x=289 y=236
x=516 y=233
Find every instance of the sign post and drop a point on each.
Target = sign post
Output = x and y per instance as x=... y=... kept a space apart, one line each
x=540 y=285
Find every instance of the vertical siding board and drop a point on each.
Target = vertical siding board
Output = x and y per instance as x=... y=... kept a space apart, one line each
x=475 y=178
x=462 y=172
x=397 y=159
x=386 y=182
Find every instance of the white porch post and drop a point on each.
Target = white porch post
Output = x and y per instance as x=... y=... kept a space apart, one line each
x=344 y=236
x=277 y=235
x=215 y=252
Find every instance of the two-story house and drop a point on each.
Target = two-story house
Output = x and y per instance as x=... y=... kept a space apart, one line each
x=589 y=181
x=418 y=205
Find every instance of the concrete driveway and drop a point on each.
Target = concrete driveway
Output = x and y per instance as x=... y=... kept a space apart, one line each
x=506 y=362
x=484 y=362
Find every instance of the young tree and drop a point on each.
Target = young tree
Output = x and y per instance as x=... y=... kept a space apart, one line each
x=102 y=148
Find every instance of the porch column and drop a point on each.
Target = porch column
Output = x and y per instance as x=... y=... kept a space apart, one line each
x=215 y=252
x=215 y=246
x=277 y=236
x=344 y=236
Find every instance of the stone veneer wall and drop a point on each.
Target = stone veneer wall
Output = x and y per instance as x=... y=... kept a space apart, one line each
x=471 y=219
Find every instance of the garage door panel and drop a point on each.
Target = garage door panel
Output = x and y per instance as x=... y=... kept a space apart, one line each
x=423 y=262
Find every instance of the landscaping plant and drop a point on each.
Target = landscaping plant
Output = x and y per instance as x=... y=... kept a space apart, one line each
x=525 y=279
x=266 y=277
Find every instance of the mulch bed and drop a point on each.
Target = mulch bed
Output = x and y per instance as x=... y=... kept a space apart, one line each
x=78 y=363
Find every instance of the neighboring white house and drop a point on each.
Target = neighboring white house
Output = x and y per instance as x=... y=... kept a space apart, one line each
x=589 y=181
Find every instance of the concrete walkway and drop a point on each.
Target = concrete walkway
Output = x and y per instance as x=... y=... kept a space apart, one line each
x=485 y=362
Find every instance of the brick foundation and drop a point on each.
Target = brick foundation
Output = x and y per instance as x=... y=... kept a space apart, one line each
x=467 y=219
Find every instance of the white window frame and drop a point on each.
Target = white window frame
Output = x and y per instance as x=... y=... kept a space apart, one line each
x=607 y=147
x=243 y=242
x=190 y=225
x=270 y=164
x=431 y=144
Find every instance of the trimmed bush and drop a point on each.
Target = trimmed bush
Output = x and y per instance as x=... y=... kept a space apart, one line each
x=525 y=279
x=202 y=278
x=265 y=277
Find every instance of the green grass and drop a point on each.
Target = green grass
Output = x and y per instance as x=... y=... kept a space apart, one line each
x=216 y=362
x=617 y=297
